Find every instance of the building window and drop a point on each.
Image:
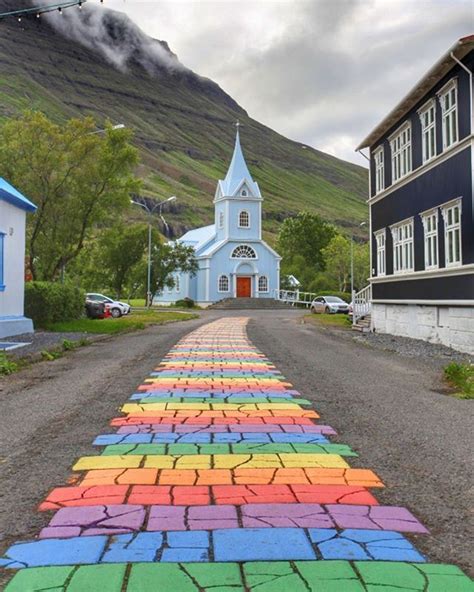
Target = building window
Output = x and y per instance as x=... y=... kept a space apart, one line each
x=402 y=235
x=243 y=193
x=243 y=252
x=177 y=283
x=2 y=261
x=263 y=283
x=448 y=98
x=452 y=234
x=401 y=153
x=379 y=170
x=221 y=219
x=430 y=226
x=244 y=219
x=223 y=283
x=380 y=242
x=428 y=130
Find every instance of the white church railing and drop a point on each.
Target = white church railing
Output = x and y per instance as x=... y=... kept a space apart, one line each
x=295 y=297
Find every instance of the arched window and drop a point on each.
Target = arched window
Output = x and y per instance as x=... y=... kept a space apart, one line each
x=243 y=252
x=244 y=219
x=223 y=283
x=221 y=219
x=177 y=283
x=263 y=283
x=243 y=193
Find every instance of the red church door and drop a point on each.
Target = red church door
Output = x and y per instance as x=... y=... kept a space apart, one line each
x=244 y=288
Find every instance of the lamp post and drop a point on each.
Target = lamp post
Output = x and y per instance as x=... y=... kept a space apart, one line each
x=352 y=274
x=150 y=212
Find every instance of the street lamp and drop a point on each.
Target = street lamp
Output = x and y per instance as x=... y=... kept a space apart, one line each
x=352 y=274
x=150 y=212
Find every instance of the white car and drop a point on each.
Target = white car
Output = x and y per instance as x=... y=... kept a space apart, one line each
x=329 y=305
x=117 y=309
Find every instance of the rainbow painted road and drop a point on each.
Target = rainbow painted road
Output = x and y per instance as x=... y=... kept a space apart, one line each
x=217 y=478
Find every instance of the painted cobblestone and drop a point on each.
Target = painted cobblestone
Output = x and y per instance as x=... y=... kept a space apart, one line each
x=218 y=479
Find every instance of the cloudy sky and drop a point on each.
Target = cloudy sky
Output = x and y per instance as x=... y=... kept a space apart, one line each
x=322 y=72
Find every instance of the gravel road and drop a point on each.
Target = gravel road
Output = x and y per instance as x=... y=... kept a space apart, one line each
x=383 y=405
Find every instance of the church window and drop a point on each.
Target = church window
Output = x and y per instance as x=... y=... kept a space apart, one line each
x=221 y=219
x=177 y=283
x=2 y=284
x=243 y=193
x=243 y=252
x=263 y=283
x=244 y=219
x=223 y=283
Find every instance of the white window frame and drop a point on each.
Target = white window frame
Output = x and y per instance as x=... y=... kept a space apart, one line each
x=247 y=249
x=223 y=278
x=452 y=229
x=427 y=115
x=241 y=213
x=265 y=279
x=430 y=221
x=381 y=244
x=221 y=219
x=400 y=146
x=448 y=99
x=403 y=246
x=379 y=169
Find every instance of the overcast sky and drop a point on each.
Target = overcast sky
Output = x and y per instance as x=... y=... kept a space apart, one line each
x=322 y=72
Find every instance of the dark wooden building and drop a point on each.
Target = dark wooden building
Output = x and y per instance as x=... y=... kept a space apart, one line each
x=422 y=207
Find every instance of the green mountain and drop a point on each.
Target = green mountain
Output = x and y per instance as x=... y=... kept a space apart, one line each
x=183 y=123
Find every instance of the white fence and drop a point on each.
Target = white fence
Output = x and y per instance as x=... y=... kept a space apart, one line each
x=362 y=303
x=295 y=297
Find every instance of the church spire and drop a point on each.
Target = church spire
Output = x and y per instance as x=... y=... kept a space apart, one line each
x=238 y=171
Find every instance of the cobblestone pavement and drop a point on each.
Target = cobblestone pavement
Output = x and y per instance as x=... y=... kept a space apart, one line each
x=219 y=479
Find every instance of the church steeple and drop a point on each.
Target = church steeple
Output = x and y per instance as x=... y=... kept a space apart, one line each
x=238 y=176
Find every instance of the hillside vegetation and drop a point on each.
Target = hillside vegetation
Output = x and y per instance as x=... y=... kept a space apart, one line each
x=183 y=126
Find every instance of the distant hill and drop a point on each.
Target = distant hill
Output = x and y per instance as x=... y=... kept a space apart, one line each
x=183 y=123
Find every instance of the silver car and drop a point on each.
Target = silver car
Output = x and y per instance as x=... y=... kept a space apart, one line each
x=117 y=308
x=329 y=305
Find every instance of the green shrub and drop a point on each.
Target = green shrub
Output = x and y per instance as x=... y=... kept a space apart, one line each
x=461 y=376
x=48 y=302
x=6 y=365
x=185 y=303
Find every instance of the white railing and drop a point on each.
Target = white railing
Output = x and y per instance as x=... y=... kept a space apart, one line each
x=362 y=303
x=295 y=297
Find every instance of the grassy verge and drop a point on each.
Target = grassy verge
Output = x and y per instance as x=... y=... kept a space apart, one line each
x=329 y=320
x=461 y=378
x=136 y=321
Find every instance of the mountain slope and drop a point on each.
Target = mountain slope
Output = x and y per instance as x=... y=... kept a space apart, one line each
x=183 y=123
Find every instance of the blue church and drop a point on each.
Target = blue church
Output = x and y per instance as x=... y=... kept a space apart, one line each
x=233 y=260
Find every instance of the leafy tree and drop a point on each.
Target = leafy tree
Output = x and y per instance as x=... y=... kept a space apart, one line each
x=337 y=258
x=168 y=258
x=304 y=236
x=79 y=180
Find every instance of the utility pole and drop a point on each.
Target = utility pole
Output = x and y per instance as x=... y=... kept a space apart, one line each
x=150 y=212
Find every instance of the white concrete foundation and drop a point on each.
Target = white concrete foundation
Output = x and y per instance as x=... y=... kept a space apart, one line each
x=10 y=326
x=450 y=325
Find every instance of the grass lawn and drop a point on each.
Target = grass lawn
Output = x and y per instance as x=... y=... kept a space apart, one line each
x=133 y=322
x=329 y=320
x=136 y=301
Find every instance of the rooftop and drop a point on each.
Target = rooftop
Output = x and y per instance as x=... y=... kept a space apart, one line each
x=459 y=50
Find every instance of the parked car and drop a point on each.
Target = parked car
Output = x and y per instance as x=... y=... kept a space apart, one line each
x=95 y=310
x=117 y=308
x=329 y=305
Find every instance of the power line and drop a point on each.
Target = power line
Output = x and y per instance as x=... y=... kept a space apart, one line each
x=37 y=11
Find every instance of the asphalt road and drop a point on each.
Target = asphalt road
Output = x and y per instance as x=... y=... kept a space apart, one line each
x=386 y=407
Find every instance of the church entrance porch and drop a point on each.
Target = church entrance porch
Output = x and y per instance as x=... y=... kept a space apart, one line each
x=244 y=287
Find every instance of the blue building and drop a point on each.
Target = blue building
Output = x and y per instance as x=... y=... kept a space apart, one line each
x=234 y=261
x=13 y=209
x=422 y=207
